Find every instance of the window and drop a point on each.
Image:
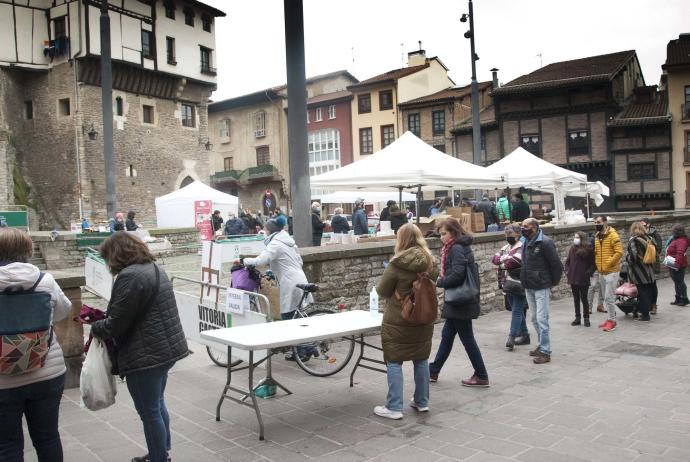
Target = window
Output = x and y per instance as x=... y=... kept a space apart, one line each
x=440 y=147
x=206 y=22
x=531 y=143
x=324 y=151
x=642 y=171
x=60 y=27
x=364 y=103
x=331 y=111
x=307 y=115
x=413 y=124
x=28 y=110
x=385 y=100
x=259 y=124
x=687 y=96
x=228 y=164
x=438 y=122
x=224 y=128
x=578 y=142
x=387 y=135
x=366 y=141
x=263 y=156
x=170 y=50
x=63 y=107
x=189 y=16
x=319 y=115
x=187 y=115
x=206 y=61
x=686 y=107
x=147 y=44
x=148 y=114
x=119 y=106
x=169 y=9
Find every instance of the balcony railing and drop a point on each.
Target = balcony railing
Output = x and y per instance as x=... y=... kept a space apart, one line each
x=208 y=70
x=261 y=171
x=226 y=175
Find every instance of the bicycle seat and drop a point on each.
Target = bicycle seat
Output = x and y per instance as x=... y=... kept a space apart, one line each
x=308 y=287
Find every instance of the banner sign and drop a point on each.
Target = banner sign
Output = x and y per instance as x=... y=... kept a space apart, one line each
x=237 y=301
x=202 y=219
x=98 y=278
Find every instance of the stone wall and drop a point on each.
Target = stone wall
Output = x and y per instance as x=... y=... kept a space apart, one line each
x=346 y=274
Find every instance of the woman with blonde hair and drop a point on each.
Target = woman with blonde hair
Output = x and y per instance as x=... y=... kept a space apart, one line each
x=640 y=273
x=402 y=340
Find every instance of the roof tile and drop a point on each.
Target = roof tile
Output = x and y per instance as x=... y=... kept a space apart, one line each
x=678 y=51
x=390 y=75
x=447 y=94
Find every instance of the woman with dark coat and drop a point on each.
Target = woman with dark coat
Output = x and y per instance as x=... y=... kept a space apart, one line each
x=457 y=259
x=143 y=320
x=397 y=218
x=640 y=273
x=677 y=249
x=400 y=339
x=579 y=267
x=130 y=224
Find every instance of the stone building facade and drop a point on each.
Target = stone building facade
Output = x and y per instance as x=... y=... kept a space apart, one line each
x=52 y=106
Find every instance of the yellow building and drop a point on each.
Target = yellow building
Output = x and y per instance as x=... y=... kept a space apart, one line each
x=677 y=75
x=376 y=119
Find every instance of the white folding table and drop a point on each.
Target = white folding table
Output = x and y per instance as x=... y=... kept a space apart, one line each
x=273 y=335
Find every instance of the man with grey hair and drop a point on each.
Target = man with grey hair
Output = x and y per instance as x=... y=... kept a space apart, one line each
x=541 y=270
x=317 y=224
x=339 y=223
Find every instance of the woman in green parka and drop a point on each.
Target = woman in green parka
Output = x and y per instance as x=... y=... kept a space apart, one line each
x=401 y=340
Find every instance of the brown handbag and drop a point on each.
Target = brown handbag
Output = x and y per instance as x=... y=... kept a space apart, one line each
x=420 y=305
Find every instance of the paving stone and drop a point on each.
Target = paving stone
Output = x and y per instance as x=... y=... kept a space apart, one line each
x=546 y=455
x=497 y=446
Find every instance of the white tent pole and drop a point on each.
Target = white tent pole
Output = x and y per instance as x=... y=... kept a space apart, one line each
x=419 y=193
x=587 y=205
x=452 y=196
x=400 y=197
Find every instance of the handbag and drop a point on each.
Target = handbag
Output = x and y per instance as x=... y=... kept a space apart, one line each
x=468 y=291
x=513 y=287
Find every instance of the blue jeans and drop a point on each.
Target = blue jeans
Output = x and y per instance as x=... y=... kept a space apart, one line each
x=538 y=301
x=394 y=400
x=518 y=323
x=40 y=403
x=463 y=328
x=147 y=388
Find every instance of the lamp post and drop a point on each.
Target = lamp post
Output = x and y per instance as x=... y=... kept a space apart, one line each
x=476 y=132
x=107 y=103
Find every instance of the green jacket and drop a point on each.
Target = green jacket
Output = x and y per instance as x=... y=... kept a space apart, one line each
x=503 y=209
x=401 y=340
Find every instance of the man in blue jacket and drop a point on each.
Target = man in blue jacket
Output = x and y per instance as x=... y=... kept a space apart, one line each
x=360 y=223
x=541 y=270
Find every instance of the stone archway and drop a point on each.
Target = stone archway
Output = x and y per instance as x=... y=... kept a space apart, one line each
x=186 y=181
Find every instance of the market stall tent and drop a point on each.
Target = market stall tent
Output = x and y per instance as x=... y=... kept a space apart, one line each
x=349 y=197
x=176 y=210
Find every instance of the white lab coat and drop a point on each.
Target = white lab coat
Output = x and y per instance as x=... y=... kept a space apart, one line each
x=282 y=255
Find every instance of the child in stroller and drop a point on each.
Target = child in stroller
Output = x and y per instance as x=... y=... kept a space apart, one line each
x=626 y=294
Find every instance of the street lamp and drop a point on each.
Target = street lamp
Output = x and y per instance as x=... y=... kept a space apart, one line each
x=476 y=133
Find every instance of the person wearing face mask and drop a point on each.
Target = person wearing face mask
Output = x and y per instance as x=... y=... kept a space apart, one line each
x=541 y=270
x=579 y=267
x=677 y=249
x=653 y=233
x=509 y=262
x=608 y=252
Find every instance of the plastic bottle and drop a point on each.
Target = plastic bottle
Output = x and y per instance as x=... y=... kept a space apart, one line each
x=373 y=301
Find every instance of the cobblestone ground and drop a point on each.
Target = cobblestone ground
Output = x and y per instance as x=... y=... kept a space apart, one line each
x=604 y=397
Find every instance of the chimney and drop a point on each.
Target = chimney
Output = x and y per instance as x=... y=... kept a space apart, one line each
x=416 y=58
x=494 y=77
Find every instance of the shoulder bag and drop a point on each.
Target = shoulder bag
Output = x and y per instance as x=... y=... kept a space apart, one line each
x=468 y=291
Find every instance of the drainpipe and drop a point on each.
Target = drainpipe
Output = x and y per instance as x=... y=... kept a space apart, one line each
x=79 y=125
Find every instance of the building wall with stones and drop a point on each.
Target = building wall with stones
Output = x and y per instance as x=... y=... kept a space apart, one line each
x=346 y=274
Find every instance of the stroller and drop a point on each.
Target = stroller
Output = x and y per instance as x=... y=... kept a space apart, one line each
x=626 y=294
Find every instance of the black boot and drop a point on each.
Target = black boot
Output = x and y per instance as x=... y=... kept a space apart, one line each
x=522 y=340
x=576 y=322
x=510 y=344
x=676 y=301
x=684 y=302
x=587 y=322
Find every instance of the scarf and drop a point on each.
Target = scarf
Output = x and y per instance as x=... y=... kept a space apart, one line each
x=444 y=255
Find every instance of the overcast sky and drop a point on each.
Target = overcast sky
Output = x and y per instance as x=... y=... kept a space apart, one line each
x=510 y=35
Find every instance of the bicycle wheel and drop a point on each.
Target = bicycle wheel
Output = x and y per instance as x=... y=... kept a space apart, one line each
x=324 y=357
x=220 y=358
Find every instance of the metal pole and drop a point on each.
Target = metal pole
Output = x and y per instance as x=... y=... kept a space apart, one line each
x=107 y=103
x=300 y=190
x=476 y=132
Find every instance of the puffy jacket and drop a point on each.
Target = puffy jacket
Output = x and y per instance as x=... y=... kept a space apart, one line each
x=503 y=209
x=677 y=249
x=541 y=265
x=460 y=256
x=398 y=219
x=360 y=222
x=639 y=272
x=401 y=340
x=234 y=227
x=488 y=209
x=520 y=211
x=148 y=340
x=579 y=266
x=25 y=275
x=340 y=225
x=608 y=251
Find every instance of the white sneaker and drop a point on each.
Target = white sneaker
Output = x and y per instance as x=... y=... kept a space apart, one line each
x=413 y=405
x=383 y=411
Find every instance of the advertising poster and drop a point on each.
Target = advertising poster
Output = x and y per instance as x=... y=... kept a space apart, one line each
x=202 y=219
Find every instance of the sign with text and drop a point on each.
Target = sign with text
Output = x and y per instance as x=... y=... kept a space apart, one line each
x=237 y=301
x=98 y=278
x=202 y=219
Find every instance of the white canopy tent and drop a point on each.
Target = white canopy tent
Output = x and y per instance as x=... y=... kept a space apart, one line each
x=349 y=197
x=408 y=163
x=176 y=210
x=521 y=168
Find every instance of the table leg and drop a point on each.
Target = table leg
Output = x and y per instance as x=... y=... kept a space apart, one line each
x=359 y=359
x=252 y=394
x=366 y=360
x=227 y=385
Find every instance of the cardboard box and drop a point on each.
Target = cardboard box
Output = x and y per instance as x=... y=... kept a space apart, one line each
x=478 y=225
x=455 y=211
x=271 y=290
x=466 y=221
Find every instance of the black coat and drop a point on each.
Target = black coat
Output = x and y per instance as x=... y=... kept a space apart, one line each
x=460 y=256
x=520 y=211
x=317 y=226
x=579 y=268
x=340 y=225
x=217 y=222
x=130 y=225
x=398 y=219
x=489 y=211
x=385 y=214
x=148 y=340
x=541 y=265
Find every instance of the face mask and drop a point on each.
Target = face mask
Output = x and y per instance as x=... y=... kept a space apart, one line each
x=599 y=227
x=511 y=240
x=526 y=232
x=576 y=241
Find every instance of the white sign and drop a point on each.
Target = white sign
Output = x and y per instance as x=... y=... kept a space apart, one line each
x=237 y=301
x=98 y=278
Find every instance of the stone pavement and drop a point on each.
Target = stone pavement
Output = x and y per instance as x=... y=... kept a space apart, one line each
x=616 y=396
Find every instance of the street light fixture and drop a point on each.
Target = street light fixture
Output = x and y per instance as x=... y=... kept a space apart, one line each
x=476 y=133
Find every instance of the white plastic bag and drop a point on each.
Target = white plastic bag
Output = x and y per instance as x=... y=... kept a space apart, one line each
x=96 y=383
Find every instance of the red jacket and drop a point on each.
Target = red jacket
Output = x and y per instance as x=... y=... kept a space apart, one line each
x=677 y=249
